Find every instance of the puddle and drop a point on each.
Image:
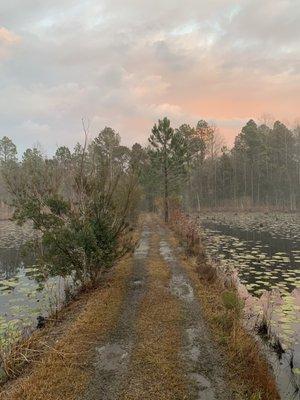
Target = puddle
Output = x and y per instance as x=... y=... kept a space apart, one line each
x=181 y=288
x=179 y=283
x=142 y=250
x=165 y=251
x=202 y=385
x=205 y=391
x=193 y=351
x=112 y=357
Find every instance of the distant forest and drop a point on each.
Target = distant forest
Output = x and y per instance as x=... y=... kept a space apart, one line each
x=190 y=167
x=262 y=168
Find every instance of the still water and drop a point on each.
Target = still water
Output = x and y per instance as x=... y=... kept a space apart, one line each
x=265 y=250
x=24 y=293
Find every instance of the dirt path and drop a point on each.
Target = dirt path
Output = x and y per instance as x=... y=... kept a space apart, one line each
x=112 y=358
x=160 y=347
x=203 y=364
x=143 y=335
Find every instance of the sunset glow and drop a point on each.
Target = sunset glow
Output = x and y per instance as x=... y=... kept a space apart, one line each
x=127 y=63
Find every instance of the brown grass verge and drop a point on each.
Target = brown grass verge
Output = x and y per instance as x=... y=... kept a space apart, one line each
x=27 y=350
x=248 y=371
x=63 y=371
x=156 y=371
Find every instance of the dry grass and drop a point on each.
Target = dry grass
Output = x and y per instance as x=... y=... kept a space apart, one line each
x=248 y=372
x=64 y=370
x=20 y=354
x=156 y=371
x=187 y=230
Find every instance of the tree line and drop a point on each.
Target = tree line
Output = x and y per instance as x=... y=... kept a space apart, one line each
x=190 y=166
x=84 y=202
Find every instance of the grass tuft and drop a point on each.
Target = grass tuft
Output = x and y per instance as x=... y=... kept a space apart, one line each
x=232 y=302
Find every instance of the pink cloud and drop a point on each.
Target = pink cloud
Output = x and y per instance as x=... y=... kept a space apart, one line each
x=7 y=40
x=8 y=37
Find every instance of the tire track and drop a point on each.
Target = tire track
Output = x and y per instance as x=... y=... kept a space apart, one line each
x=112 y=358
x=203 y=364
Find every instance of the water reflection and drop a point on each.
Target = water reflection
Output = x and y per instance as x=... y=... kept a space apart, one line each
x=24 y=294
x=263 y=262
x=12 y=260
x=268 y=268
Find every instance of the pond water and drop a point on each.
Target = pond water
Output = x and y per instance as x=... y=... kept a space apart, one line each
x=265 y=250
x=24 y=294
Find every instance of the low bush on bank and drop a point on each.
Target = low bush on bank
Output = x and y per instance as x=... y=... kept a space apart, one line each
x=82 y=203
x=188 y=231
x=83 y=206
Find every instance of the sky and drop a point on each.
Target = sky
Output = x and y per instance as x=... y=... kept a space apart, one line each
x=126 y=63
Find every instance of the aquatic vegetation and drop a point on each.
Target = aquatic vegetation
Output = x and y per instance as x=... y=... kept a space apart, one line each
x=264 y=249
x=273 y=225
x=24 y=293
